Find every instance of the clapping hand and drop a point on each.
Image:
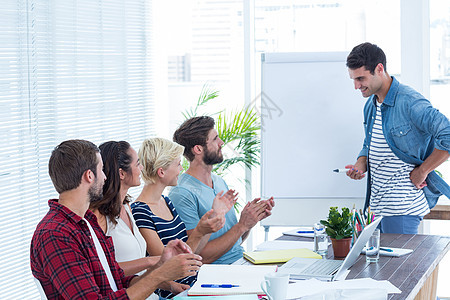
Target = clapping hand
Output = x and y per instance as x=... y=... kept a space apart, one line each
x=222 y=203
x=211 y=222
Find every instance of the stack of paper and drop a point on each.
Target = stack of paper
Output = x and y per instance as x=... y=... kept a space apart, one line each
x=281 y=245
x=302 y=231
x=247 y=277
x=304 y=288
x=279 y=256
x=389 y=251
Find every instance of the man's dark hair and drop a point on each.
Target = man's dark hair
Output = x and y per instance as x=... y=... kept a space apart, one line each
x=366 y=55
x=69 y=161
x=115 y=156
x=193 y=132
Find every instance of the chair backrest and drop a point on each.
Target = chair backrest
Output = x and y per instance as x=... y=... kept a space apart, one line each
x=40 y=289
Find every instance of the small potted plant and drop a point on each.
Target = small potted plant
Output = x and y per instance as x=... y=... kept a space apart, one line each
x=339 y=228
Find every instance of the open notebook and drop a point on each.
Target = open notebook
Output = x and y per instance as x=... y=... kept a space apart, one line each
x=247 y=277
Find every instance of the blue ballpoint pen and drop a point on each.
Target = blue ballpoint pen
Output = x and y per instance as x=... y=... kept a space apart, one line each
x=305 y=231
x=386 y=249
x=219 y=286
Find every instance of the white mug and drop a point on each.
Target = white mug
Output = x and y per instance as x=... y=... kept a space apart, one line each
x=275 y=285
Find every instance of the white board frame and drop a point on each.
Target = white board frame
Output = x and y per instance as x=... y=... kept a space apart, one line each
x=284 y=73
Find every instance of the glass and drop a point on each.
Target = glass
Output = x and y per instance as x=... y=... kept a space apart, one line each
x=320 y=239
x=373 y=247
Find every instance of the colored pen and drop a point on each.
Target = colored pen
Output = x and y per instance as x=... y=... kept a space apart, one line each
x=226 y=286
x=340 y=170
x=305 y=231
x=386 y=249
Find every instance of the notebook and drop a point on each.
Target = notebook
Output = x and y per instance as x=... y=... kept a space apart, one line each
x=279 y=256
x=247 y=277
x=395 y=252
x=328 y=270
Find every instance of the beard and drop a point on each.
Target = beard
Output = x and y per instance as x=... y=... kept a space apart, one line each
x=95 y=192
x=212 y=158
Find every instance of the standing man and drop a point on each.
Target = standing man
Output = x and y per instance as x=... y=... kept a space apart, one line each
x=405 y=140
x=71 y=256
x=196 y=189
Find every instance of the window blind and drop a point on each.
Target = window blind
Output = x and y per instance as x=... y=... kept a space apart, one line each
x=68 y=69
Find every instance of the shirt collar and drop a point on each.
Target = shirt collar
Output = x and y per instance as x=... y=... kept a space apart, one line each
x=392 y=93
x=55 y=205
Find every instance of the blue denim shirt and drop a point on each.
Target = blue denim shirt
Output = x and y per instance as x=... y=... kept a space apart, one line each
x=413 y=129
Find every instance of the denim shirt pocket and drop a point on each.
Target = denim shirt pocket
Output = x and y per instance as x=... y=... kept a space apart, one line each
x=404 y=137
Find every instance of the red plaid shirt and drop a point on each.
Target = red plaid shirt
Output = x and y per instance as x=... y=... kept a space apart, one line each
x=64 y=259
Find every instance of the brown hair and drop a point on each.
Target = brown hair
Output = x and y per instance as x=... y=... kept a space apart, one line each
x=115 y=156
x=68 y=162
x=193 y=132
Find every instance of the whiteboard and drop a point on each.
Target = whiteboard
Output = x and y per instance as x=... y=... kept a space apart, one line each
x=312 y=123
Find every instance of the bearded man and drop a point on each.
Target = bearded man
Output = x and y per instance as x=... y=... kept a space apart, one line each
x=198 y=186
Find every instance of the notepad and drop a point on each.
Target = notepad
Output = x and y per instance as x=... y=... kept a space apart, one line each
x=396 y=252
x=248 y=277
x=279 y=256
x=302 y=232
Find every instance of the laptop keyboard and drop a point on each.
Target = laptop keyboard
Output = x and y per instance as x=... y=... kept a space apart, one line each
x=323 y=267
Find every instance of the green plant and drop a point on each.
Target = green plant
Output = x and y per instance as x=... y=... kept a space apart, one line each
x=338 y=226
x=238 y=129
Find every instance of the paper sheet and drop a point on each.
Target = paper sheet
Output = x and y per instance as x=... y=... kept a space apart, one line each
x=304 y=288
x=396 y=252
x=302 y=231
x=284 y=245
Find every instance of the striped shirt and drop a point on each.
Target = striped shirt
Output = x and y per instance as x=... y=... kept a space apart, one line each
x=167 y=230
x=392 y=192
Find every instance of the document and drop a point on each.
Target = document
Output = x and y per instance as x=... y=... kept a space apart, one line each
x=304 y=288
x=246 y=279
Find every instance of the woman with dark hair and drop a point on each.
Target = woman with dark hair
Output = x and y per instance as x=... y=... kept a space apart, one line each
x=122 y=169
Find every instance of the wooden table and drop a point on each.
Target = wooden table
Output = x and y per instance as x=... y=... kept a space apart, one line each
x=414 y=274
x=439 y=212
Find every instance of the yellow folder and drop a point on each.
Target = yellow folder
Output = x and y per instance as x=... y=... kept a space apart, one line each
x=279 y=256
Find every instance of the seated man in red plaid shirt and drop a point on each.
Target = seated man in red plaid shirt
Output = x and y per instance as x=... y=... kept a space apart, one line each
x=71 y=256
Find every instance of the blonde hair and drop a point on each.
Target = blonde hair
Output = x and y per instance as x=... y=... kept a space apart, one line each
x=157 y=153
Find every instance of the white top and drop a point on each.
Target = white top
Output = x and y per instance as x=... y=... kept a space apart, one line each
x=102 y=257
x=392 y=192
x=128 y=245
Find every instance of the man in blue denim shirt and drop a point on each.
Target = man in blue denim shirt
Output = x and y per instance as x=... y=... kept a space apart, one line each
x=405 y=140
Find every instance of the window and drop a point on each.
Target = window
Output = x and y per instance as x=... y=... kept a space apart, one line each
x=440 y=65
x=69 y=69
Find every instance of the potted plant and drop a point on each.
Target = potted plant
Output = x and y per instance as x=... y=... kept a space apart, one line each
x=339 y=228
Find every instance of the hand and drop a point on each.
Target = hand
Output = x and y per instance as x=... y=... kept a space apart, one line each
x=252 y=213
x=222 y=203
x=180 y=266
x=356 y=171
x=172 y=249
x=269 y=204
x=177 y=288
x=210 y=222
x=418 y=177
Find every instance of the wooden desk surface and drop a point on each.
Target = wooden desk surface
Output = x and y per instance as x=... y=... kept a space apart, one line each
x=408 y=272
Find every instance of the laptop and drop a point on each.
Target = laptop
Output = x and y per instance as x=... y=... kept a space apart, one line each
x=327 y=269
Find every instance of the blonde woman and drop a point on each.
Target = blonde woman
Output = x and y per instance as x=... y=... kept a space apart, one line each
x=156 y=217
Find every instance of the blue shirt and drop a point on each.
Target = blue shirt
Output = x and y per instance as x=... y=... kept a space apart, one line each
x=192 y=199
x=413 y=129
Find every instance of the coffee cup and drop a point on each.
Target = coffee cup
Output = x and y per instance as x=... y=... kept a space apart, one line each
x=275 y=285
